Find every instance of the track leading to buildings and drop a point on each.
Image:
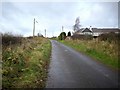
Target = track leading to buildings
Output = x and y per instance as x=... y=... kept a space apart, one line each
x=71 y=69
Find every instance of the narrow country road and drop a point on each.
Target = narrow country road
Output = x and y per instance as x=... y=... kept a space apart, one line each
x=70 y=69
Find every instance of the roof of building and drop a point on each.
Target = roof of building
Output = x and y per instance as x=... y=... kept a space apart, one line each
x=105 y=30
x=86 y=30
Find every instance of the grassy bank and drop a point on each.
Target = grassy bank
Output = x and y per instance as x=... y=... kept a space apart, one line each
x=25 y=64
x=102 y=51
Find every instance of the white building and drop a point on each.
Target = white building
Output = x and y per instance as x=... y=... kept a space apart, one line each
x=96 y=31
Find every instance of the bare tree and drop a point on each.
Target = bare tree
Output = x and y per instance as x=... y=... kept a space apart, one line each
x=77 y=25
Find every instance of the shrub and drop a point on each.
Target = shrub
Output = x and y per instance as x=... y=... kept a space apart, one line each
x=69 y=33
x=110 y=37
x=82 y=37
x=9 y=38
x=62 y=36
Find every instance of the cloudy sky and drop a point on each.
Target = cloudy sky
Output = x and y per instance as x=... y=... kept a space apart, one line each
x=17 y=16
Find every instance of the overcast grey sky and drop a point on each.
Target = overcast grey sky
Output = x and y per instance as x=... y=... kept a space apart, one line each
x=119 y=14
x=17 y=17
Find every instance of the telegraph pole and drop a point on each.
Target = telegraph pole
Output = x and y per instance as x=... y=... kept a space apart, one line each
x=34 y=28
x=45 y=32
x=62 y=32
x=62 y=28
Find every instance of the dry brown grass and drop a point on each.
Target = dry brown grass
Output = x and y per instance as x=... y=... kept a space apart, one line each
x=25 y=65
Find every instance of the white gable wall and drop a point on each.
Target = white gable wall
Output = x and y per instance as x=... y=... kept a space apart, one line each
x=87 y=33
x=96 y=33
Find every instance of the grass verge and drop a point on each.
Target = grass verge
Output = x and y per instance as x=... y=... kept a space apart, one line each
x=104 y=52
x=25 y=66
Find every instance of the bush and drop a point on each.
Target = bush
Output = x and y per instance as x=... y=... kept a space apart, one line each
x=82 y=37
x=9 y=38
x=62 y=36
x=110 y=37
x=69 y=33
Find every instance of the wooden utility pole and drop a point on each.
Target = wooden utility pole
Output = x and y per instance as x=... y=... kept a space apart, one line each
x=45 y=32
x=62 y=28
x=34 y=27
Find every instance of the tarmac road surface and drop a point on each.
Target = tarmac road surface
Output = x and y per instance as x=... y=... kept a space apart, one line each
x=71 y=69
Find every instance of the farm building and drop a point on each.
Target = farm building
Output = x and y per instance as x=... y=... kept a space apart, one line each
x=96 y=31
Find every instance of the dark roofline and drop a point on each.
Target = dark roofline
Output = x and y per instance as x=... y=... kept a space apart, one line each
x=86 y=29
x=101 y=30
x=106 y=29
